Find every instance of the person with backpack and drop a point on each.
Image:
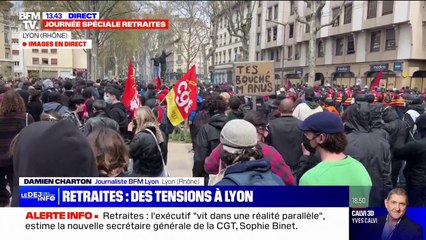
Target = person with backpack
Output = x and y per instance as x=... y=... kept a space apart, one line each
x=55 y=104
x=325 y=133
x=243 y=157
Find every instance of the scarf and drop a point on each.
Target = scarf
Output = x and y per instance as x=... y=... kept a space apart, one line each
x=158 y=134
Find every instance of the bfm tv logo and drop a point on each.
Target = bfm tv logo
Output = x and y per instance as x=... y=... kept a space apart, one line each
x=39 y=196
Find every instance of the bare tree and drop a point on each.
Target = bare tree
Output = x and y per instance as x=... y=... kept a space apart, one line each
x=313 y=22
x=241 y=25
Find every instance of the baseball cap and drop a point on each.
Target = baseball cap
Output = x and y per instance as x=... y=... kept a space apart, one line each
x=322 y=122
x=237 y=135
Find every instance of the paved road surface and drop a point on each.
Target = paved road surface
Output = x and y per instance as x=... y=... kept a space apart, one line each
x=180 y=161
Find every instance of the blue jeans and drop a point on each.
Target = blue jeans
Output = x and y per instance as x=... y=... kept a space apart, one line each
x=156 y=72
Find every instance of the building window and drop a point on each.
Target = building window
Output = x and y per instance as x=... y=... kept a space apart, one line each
x=215 y=59
x=371 y=9
x=15 y=52
x=375 y=42
x=272 y=55
x=54 y=50
x=339 y=46
x=290 y=52
x=320 y=48
x=16 y=64
x=274 y=32
x=260 y=4
x=259 y=19
x=348 y=14
x=44 y=61
x=297 y=52
x=292 y=7
x=278 y=55
x=387 y=7
x=262 y=55
x=308 y=27
x=270 y=13
x=276 y=11
x=269 y=34
x=44 y=50
x=220 y=40
x=258 y=39
x=350 y=45
x=224 y=39
x=34 y=50
x=235 y=54
x=257 y=56
x=36 y=61
x=229 y=53
x=291 y=30
x=390 y=39
x=336 y=13
x=308 y=4
x=179 y=57
x=15 y=40
x=54 y=61
x=224 y=56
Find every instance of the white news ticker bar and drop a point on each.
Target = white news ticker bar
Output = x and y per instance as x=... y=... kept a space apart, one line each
x=106 y=181
x=55 y=43
x=44 y=35
x=69 y=15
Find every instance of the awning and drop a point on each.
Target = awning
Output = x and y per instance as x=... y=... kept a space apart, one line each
x=419 y=74
x=343 y=75
x=386 y=73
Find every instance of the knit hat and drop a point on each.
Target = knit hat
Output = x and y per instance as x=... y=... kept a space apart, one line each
x=237 y=135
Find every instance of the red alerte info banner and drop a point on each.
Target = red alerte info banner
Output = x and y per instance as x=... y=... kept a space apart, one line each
x=105 y=24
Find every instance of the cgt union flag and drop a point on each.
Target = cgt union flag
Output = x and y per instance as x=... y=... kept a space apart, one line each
x=182 y=98
x=130 y=96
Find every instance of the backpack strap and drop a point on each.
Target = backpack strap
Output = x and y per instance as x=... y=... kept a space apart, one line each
x=58 y=108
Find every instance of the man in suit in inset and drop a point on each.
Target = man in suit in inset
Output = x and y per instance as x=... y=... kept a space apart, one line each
x=396 y=225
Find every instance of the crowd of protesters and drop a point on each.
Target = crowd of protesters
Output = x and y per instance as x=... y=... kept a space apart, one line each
x=320 y=135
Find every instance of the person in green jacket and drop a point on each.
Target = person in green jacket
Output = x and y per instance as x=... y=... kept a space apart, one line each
x=324 y=132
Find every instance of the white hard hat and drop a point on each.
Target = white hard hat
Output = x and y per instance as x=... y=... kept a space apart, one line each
x=282 y=89
x=366 y=86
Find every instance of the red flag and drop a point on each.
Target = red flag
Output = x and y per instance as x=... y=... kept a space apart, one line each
x=376 y=81
x=182 y=98
x=287 y=84
x=158 y=84
x=130 y=96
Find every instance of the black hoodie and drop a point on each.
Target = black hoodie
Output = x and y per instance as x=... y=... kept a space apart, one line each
x=52 y=149
x=208 y=138
x=372 y=151
x=118 y=112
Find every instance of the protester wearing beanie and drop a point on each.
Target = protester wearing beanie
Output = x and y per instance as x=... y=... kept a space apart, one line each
x=38 y=153
x=243 y=157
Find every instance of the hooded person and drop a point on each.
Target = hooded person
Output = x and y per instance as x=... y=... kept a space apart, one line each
x=71 y=156
x=309 y=107
x=236 y=112
x=372 y=151
x=397 y=130
x=208 y=137
x=243 y=157
x=415 y=169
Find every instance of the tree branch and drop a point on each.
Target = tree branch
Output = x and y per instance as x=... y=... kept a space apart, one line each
x=334 y=18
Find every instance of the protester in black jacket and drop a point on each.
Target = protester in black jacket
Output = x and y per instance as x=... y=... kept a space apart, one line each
x=117 y=111
x=100 y=119
x=148 y=161
x=208 y=137
x=371 y=150
x=285 y=136
x=397 y=130
x=415 y=169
